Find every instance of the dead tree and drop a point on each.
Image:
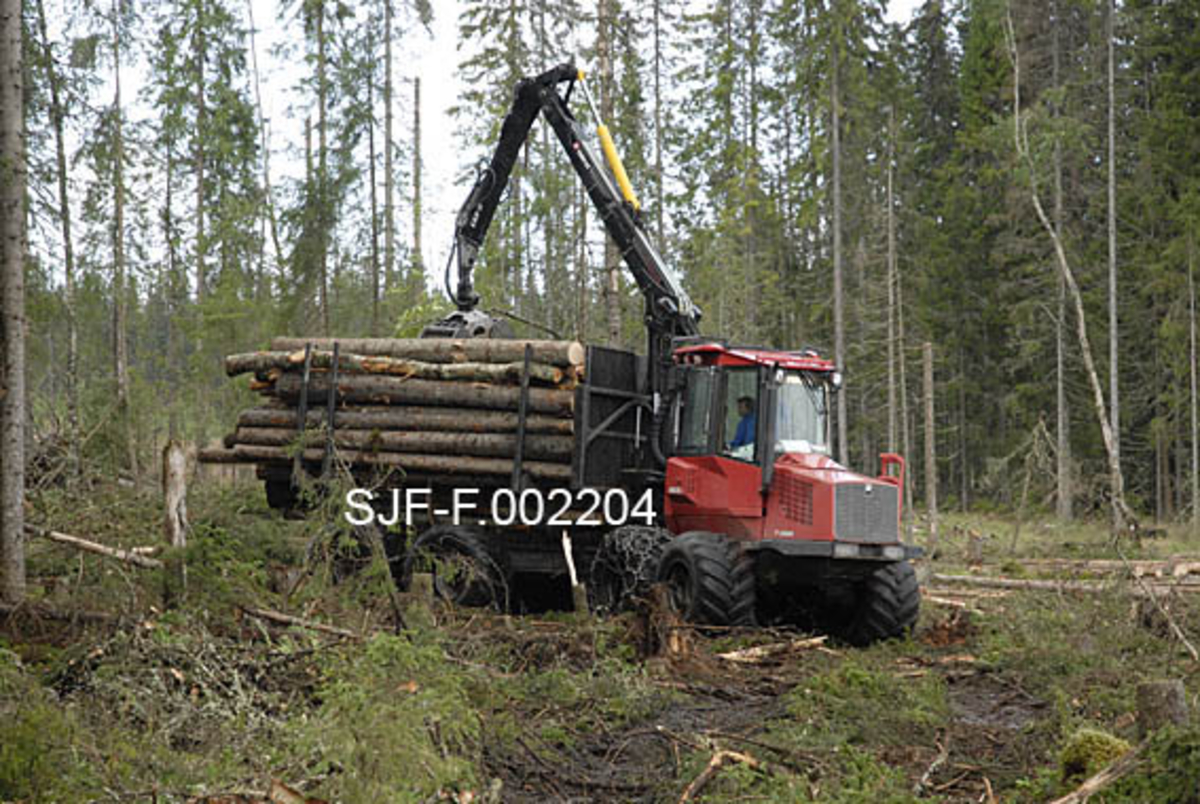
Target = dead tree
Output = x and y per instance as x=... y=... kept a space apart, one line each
x=1122 y=515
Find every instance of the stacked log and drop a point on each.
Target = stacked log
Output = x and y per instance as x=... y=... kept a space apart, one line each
x=432 y=406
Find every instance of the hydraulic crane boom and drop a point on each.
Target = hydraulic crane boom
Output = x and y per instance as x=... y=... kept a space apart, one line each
x=670 y=312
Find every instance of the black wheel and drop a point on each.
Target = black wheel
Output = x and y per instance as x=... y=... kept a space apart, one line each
x=709 y=579
x=280 y=494
x=463 y=571
x=625 y=566
x=887 y=605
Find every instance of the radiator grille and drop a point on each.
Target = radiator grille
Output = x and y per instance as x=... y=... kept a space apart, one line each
x=866 y=512
x=796 y=498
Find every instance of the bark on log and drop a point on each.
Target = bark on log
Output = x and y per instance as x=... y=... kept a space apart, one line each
x=448 y=350
x=260 y=363
x=405 y=367
x=268 y=366
x=498 y=445
x=219 y=455
x=395 y=390
x=1161 y=703
x=444 y=464
x=454 y=420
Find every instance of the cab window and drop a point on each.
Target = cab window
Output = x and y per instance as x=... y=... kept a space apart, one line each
x=740 y=414
x=696 y=424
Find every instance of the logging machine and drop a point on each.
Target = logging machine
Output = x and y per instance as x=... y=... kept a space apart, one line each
x=754 y=520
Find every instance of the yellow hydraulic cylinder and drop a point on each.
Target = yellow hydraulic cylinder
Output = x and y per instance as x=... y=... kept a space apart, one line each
x=618 y=169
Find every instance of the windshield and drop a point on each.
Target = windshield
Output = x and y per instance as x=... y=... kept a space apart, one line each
x=801 y=422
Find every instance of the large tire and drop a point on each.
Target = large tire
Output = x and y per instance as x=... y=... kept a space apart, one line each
x=709 y=579
x=887 y=605
x=463 y=571
x=625 y=566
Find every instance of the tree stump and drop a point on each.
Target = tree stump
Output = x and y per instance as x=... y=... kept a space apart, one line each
x=974 y=549
x=174 y=482
x=579 y=598
x=422 y=587
x=1161 y=703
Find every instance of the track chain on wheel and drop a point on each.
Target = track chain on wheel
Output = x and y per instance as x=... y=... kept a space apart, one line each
x=887 y=606
x=625 y=566
x=710 y=579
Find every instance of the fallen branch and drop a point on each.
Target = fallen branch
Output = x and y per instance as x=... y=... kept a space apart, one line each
x=761 y=653
x=1102 y=779
x=718 y=759
x=128 y=556
x=1045 y=585
x=994 y=582
x=1148 y=591
x=1177 y=567
x=950 y=603
x=299 y=622
x=942 y=757
x=44 y=612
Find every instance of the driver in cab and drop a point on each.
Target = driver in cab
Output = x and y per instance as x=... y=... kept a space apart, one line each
x=742 y=445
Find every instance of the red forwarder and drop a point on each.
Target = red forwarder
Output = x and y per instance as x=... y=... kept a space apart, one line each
x=754 y=522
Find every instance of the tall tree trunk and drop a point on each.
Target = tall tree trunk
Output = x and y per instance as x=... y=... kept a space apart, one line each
x=891 y=283
x=120 y=324
x=324 y=216
x=417 y=280
x=57 y=117
x=612 y=258
x=839 y=323
x=931 y=506
x=371 y=178
x=1113 y=362
x=658 y=138
x=265 y=144
x=198 y=139
x=1065 y=490
x=174 y=303
x=1195 y=439
x=905 y=440
x=389 y=182
x=12 y=306
x=1122 y=514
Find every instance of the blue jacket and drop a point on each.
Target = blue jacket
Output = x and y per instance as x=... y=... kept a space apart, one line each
x=745 y=431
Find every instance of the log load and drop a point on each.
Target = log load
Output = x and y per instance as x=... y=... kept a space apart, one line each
x=271 y=364
x=367 y=417
x=442 y=407
x=447 y=350
x=401 y=391
x=446 y=464
x=485 y=444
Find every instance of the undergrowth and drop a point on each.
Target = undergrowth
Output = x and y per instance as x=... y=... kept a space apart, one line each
x=187 y=693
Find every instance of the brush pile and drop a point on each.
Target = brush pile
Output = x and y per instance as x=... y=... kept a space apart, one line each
x=432 y=406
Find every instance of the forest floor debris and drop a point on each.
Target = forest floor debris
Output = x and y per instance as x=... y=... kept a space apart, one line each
x=202 y=702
